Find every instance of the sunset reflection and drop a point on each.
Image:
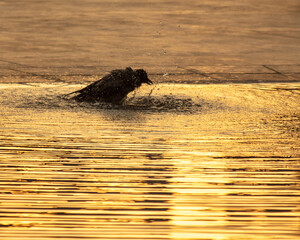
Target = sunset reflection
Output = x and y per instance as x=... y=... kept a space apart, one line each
x=217 y=169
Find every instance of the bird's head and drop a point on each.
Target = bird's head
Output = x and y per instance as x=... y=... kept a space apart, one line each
x=142 y=77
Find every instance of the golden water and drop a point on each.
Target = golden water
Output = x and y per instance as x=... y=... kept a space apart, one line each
x=176 y=162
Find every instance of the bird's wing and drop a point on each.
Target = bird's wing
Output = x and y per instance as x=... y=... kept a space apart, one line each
x=113 y=87
x=89 y=87
x=99 y=85
x=110 y=86
x=114 y=79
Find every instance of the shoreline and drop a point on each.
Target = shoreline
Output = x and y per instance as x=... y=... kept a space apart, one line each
x=222 y=74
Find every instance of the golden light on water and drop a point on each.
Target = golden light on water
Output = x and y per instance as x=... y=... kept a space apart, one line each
x=197 y=165
x=184 y=161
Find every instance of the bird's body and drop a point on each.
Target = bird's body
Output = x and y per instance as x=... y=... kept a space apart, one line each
x=113 y=87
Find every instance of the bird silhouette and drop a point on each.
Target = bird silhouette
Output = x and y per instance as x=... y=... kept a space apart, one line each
x=113 y=87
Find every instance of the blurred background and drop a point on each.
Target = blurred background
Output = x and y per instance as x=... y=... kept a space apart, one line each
x=153 y=34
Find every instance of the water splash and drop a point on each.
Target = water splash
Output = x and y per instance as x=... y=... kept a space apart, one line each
x=51 y=97
x=163 y=103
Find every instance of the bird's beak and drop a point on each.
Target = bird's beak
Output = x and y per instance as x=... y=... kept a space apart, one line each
x=148 y=81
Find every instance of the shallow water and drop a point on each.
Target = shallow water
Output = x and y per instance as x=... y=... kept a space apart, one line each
x=175 y=162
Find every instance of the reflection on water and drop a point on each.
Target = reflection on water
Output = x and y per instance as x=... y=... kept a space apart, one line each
x=175 y=162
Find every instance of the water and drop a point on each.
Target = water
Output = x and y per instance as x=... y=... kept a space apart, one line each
x=66 y=36
x=175 y=162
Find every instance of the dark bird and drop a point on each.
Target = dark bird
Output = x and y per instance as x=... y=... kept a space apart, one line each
x=113 y=87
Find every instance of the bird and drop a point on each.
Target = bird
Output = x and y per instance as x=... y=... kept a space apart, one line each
x=113 y=87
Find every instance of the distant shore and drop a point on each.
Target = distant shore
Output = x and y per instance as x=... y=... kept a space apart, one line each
x=188 y=42
x=11 y=72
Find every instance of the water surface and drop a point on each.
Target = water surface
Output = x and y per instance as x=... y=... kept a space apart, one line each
x=175 y=162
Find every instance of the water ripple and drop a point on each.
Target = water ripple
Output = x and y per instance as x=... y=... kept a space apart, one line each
x=176 y=162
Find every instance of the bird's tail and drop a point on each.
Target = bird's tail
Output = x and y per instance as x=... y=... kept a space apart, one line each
x=66 y=96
